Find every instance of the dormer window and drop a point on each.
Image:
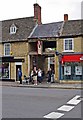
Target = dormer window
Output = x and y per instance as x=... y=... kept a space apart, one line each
x=13 y=29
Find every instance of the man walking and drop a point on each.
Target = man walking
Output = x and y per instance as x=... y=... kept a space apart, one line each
x=20 y=75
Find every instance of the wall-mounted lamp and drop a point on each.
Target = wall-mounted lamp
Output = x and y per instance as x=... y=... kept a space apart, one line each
x=60 y=55
x=57 y=53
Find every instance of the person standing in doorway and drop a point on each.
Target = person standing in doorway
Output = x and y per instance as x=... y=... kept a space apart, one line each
x=49 y=73
x=20 y=75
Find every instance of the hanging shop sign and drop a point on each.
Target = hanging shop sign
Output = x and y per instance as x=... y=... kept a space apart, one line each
x=67 y=70
x=78 y=70
x=39 y=47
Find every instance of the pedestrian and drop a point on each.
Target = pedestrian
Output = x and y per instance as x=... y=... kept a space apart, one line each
x=31 y=76
x=35 y=76
x=49 y=73
x=20 y=75
x=39 y=75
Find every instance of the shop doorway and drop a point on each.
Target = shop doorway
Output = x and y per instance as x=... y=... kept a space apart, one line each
x=17 y=66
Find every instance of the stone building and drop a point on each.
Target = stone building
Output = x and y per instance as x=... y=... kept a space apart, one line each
x=26 y=42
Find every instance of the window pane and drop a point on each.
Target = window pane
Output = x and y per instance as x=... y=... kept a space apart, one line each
x=70 y=44
x=66 y=44
x=14 y=29
x=70 y=47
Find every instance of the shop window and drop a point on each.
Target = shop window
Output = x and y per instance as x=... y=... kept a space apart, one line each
x=72 y=71
x=67 y=70
x=68 y=45
x=78 y=70
x=4 y=70
x=7 y=49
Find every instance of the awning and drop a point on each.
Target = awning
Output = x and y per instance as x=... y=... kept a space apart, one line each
x=72 y=58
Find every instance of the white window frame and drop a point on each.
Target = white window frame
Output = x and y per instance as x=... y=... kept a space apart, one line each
x=5 y=48
x=13 y=29
x=72 y=45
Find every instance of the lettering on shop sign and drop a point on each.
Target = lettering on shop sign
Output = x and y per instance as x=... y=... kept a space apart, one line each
x=81 y=58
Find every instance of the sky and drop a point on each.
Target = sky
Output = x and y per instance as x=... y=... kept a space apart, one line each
x=52 y=10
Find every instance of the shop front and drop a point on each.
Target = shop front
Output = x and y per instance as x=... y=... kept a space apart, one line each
x=5 y=66
x=71 y=67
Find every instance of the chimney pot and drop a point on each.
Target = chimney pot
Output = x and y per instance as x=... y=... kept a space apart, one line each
x=65 y=17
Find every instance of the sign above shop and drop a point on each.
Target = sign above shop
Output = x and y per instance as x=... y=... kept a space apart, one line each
x=72 y=58
x=10 y=59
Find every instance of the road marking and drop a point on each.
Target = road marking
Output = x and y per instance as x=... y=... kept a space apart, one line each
x=66 y=108
x=54 y=115
x=74 y=100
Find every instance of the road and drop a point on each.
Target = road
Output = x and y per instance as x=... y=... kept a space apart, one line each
x=18 y=102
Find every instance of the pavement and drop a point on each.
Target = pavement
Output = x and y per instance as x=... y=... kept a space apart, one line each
x=43 y=85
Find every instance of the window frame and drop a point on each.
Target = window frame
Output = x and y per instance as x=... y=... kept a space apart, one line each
x=5 y=49
x=13 y=29
x=68 y=45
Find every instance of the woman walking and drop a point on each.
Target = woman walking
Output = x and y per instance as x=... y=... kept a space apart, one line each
x=35 y=76
x=39 y=75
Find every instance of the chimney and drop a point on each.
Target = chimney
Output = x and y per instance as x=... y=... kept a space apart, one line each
x=65 y=17
x=37 y=13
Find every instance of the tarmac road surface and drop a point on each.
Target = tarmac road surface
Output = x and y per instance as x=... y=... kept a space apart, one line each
x=21 y=102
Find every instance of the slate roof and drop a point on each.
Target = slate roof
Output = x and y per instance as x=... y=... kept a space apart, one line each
x=59 y=29
x=47 y=30
x=24 y=28
x=72 y=28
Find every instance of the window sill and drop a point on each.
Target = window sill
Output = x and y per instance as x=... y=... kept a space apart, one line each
x=68 y=51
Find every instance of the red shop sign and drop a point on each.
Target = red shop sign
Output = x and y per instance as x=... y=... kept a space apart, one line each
x=72 y=58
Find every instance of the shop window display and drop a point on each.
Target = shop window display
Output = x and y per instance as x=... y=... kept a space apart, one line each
x=4 y=70
x=72 y=71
